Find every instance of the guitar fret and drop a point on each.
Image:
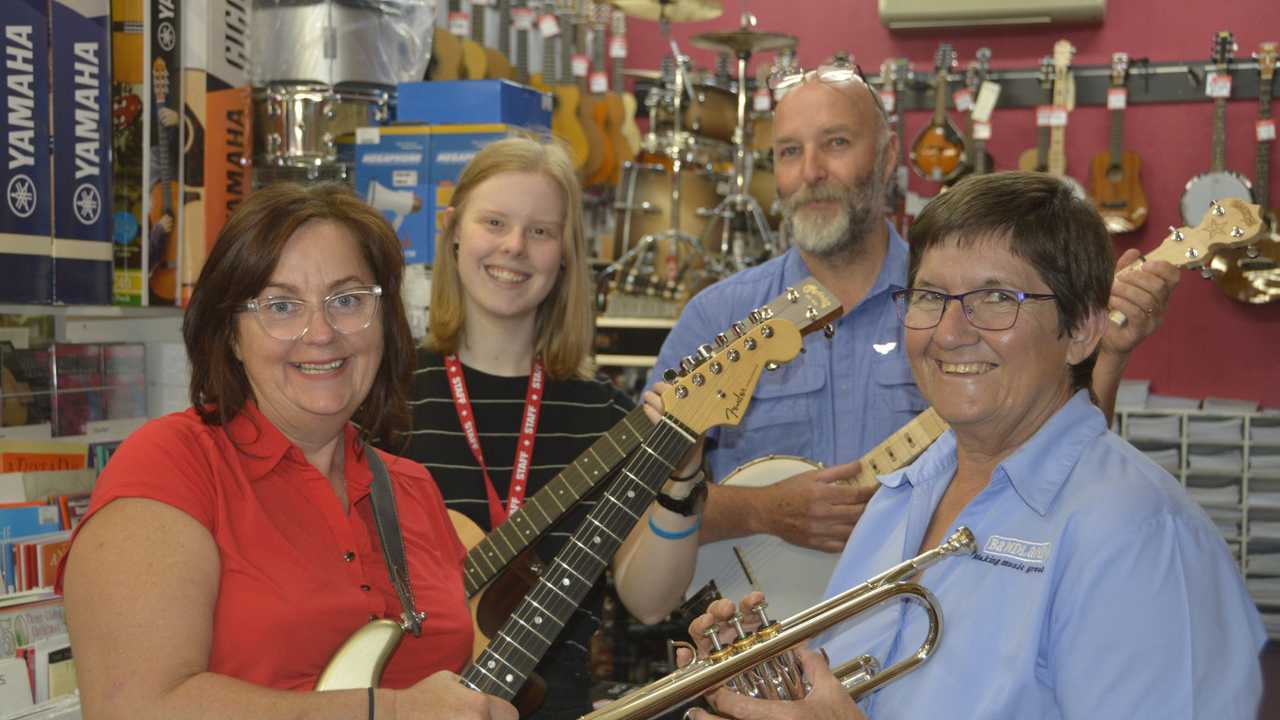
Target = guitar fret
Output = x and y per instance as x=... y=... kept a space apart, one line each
x=487 y=674
x=661 y=460
x=571 y=570
x=588 y=550
x=518 y=646
x=531 y=629
x=606 y=530
x=625 y=509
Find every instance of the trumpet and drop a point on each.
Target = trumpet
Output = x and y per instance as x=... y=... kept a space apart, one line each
x=761 y=664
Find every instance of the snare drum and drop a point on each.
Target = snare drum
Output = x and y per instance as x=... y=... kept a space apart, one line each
x=301 y=128
x=712 y=113
x=644 y=208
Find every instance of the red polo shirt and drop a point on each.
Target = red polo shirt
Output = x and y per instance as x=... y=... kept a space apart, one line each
x=298 y=574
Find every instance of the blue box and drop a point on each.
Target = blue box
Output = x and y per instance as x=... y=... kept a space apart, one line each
x=393 y=174
x=81 y=54
x=469 y=102
x=26 y=215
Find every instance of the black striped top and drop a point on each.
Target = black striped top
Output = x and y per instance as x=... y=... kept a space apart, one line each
x=574 y=414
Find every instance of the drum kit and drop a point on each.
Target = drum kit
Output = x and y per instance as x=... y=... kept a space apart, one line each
x=699 y=202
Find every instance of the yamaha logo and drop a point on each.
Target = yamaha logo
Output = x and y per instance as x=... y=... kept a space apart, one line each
x=21 y=195
x=166 y=36
x=88 y=204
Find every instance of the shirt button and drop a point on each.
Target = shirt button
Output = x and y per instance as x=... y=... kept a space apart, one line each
x=365 y=588
x=348 y=556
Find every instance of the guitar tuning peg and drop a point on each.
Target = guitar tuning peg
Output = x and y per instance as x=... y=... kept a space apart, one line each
x=1251 y=251
x=687 y=364
x=828 y=331
x=1176 y=234
x=721 y=340
x=670 y=376
x=1205 y=272
x=738 y=329
x=1237 y=232
x=771 y=366
x=1216 y=208
x=754 y=316
x=704 y=353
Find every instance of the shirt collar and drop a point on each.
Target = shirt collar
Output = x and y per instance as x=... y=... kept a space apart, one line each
x=263 y=447
x=893 y=271
x=1037 y=470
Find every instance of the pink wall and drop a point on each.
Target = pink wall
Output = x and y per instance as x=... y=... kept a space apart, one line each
x=1209 y=344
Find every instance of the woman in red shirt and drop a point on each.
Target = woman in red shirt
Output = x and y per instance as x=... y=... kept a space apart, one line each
x=229 y=550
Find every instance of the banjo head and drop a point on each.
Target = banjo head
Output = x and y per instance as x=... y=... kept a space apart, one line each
x=1206 y=187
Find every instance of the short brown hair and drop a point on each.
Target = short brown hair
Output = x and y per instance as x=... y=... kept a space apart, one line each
x=1059 y=235
x=565 y=322
x=240 y=266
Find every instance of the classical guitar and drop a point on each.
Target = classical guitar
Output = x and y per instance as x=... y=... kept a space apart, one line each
x=1228 y=223
x=1114 y=175
x=630 y=131
x=712 y=387
x=564 y=117
x=794 y=577
x=575 y=69
x=602 y=110
x=1219 y=182
x=496 y=65
x=1050 y=155
x=446 y=48
x=163 y=241
x=1252 y=275
x=938 y=150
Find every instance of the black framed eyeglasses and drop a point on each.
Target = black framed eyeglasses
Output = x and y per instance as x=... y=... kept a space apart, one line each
x=287 y=318
x=985 y=308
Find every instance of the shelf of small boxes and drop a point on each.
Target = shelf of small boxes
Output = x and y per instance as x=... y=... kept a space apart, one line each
x=1230 y=464
x=71 y=386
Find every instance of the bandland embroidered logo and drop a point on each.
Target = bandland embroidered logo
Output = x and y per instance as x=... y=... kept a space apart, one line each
x=1025 y=551
x=21 y=195
x=88 y=204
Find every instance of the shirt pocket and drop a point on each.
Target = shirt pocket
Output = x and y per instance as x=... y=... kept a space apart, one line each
x=896 y=394
x=782 y=418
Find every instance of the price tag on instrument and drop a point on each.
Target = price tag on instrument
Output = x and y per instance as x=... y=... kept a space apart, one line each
x=963 y=99
x=1051 y=116
x=618 y=47
x=1117 y=98
x=988 y=94
x=1217 y=85
x=460 y=23
x=981 y=130
x=1266 y=130
x=580 y=64
x=522 y=18
x=548 y=26
x=889 y=99
x=598 y=83
x=761 y=101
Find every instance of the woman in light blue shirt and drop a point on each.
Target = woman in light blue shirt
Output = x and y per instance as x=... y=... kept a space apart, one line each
x=1099 y=589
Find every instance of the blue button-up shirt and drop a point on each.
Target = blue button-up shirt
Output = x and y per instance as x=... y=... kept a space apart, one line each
x=832 y=403
x=1100 y=590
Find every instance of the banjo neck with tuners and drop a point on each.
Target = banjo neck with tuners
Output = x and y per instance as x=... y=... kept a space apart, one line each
x=1219 y=183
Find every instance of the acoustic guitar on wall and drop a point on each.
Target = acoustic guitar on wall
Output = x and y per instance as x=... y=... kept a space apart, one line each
x=1050 y=155
x=575 y=70
x=1219 y=182
x=605 y=114
x=1114 y=174
x=938 y=151
x=564 y=116
x=446 y=47
x=630 y=131
x=496 y=65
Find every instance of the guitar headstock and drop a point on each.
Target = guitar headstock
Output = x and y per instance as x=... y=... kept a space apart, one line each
x=1229 y=223
x=888 y=73
x=1119 y=69
x=980 y=68
x=714 y=385
x=1046 y=73
x=619 y=22
x=945 y=59
x=1224 y=48
x=1266 y=57
x=1063 y=53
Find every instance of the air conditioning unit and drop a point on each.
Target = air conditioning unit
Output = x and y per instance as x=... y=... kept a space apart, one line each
x=921 y=14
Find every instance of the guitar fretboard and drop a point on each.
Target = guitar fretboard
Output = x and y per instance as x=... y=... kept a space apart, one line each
x=1117 y=137
x=904 y=445
x=1057 y=156
x=516 y=649
x=1262 y=176
x=1219 y=163
x=579 y=478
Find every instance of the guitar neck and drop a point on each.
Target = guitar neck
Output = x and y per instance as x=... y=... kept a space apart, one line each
x=487 y=559
x=1262 y=175
x=1117 y=136
x=549 y=59
x=502 y=668
x=940 y=98
x=477 y=23
x=1219 y=135
x=504 y=28
x=905 y=445
x=522 y=56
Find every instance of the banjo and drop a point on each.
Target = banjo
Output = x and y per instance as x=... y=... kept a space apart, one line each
x=1219 y=183
x=792 y=577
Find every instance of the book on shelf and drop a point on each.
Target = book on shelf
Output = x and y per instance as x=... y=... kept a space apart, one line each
x=32 y=618
x=42 y=485
x=15 y=685
x=35 y=455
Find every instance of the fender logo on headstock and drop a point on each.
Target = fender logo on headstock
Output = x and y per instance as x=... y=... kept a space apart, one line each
x=734 y=412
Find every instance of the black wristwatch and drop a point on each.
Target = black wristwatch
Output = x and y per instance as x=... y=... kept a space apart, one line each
x=689 y=505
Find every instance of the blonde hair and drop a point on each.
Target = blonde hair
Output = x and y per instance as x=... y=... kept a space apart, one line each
x=565 y=324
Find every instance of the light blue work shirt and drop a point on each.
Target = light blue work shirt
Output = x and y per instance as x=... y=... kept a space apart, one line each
x=832 y=403
x=1100 y=589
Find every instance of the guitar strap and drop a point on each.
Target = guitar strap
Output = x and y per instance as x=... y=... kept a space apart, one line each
x=388 y=524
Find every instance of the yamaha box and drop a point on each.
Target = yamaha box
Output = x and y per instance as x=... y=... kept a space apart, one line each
x=26 y=263
x=81 y=53
x=469 y=102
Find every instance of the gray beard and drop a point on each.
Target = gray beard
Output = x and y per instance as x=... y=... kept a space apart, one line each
x=842 y=236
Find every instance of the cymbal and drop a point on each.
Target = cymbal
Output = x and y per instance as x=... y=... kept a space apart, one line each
x=673 y=10
x=740 y=41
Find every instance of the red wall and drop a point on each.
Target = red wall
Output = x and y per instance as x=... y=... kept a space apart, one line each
x=1209 y=344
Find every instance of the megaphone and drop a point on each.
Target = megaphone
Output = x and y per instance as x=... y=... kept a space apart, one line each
x=397 y=202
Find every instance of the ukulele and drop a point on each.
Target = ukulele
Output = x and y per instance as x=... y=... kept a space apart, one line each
x=574 y=71
x=630 y=131
x=446 y=48
x=938 y=149
x=1255 y=278
x=1050 y=156
x=602 y=115
x=496 y=66
x=1114 y=175
x=1219 y=182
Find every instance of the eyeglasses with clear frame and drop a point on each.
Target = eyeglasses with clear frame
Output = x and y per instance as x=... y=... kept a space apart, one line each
x=287 y=318
x=838 y=71
x=985 y=308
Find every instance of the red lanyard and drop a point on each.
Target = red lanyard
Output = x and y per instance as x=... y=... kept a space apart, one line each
x=524 y=444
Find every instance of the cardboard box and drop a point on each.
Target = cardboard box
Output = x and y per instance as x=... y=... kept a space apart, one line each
x=130 y=118
x=81 y=52
x=26 y=231
x=229 y=108
x=162 y=217
x=471 y=102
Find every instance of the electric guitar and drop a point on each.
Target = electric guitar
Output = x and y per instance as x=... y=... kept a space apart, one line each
x=712 y=387
x=938 y=150
x=446 y=48
x=1050 y=156
x=1256 y=278
x=1117 y=189
x=630 y=131
x=794 y=577
x=1219 y=182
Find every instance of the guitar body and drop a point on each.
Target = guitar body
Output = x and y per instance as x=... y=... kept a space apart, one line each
x=599 y=109
x=446 y=60
x=1117 y=191
x=590 y=131
x=1212 y=186
x=630 y=130
x=937 y=152
x=1254 y=280
x=497 y=66
x=566 y=125
x=1029 y=160
x=475 y=63
x=616 y=114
